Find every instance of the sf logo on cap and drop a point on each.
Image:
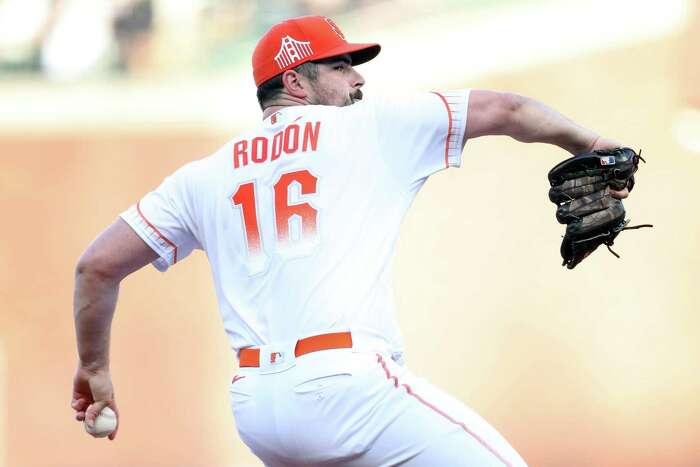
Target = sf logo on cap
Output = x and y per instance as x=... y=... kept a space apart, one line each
x=292 y=51
x=335 y=28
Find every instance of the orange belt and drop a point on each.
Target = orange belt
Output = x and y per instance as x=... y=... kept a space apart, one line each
x=250 y=357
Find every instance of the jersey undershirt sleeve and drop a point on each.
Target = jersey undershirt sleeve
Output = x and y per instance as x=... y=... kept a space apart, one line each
x=163 y=219
x=421 y=134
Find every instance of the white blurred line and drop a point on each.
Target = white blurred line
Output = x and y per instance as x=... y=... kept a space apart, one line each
x=426 y=54
x=513 y=38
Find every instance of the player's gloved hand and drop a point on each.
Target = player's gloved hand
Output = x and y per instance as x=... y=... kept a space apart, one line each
x=93 y=391
x=602 y=144
x=587 y=190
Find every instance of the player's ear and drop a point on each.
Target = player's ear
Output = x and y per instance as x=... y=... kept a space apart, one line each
x=295 y=84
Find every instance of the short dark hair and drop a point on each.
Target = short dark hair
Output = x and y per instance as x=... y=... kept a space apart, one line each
x=271 y=88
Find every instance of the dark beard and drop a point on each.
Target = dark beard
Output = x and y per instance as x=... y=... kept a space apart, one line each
x=355 y=96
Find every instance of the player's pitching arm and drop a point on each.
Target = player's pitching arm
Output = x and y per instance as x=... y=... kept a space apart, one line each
x=113 y=255
x=529 y=121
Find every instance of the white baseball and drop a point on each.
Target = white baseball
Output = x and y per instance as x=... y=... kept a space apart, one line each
x=105 y=423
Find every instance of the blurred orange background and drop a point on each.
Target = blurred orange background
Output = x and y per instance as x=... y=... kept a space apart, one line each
x=599 y=366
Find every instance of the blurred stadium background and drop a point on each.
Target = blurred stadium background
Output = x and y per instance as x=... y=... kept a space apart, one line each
x=600 y=366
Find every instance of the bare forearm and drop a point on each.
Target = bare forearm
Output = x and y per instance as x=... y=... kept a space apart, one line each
x=94 y=302
x=532 y=121
x=115 y=253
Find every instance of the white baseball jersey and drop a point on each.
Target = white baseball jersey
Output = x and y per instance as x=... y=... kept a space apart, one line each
x=299 y=218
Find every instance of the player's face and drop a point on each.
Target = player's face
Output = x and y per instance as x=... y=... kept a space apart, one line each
x=337 y=83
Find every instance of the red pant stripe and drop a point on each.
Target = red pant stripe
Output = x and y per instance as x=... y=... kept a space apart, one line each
x=410 y=392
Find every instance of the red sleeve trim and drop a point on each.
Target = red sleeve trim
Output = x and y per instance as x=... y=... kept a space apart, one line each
x=163 y=237
x=449 y=128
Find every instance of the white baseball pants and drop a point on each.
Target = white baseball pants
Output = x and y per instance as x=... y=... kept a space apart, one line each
x=347 y=408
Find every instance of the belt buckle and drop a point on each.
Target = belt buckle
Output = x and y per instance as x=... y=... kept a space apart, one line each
x=277 y=357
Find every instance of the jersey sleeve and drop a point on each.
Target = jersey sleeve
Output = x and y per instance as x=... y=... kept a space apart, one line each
x=422 y=134
x=164 y=221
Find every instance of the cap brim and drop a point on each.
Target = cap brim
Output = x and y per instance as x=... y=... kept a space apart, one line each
x=359 y=53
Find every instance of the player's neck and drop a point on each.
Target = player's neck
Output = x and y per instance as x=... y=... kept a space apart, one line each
x=283 y=101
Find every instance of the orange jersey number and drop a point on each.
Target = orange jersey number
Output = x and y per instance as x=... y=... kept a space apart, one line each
x=295 y=224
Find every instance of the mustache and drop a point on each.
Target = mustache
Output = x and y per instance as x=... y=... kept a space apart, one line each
x=356 y=96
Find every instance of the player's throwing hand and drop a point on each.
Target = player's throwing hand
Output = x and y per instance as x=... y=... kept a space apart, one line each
x=93 y=391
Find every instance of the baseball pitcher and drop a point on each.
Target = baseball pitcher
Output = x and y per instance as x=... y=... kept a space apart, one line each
x=299 y=219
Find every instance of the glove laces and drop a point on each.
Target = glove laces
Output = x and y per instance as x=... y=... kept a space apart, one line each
x=609 y=243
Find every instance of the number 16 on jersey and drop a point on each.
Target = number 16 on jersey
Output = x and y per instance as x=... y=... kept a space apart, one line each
x=295 y=223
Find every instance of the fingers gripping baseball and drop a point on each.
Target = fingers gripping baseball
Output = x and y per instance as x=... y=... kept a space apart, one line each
x=92 y=393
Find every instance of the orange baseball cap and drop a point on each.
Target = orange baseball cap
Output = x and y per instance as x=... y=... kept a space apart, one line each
x=304 y=39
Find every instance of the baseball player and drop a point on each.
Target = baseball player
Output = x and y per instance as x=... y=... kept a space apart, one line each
x=299 y=219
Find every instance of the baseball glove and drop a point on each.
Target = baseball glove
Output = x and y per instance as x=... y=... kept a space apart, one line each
x=579 y=188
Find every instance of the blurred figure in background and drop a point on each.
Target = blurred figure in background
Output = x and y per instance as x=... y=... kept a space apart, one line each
x=79 y=41
x=133 y=23
x=72 y=39
x=23 y=26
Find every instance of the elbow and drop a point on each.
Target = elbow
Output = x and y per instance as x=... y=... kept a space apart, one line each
x=518 y=118
x=94 y=266
x=494 y=113
x=507 y=111
x=512 y=106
